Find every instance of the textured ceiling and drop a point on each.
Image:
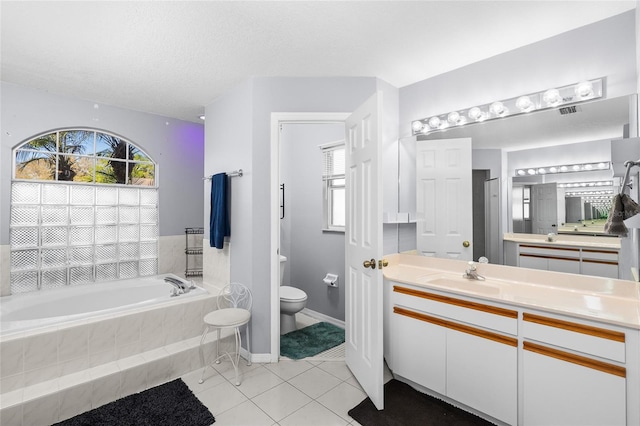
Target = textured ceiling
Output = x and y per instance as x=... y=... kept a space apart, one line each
x=174 y=57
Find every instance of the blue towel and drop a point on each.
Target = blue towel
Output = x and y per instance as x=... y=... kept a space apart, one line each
x=219 y=220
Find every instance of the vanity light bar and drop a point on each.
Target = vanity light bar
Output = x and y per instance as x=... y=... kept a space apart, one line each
x=557 y=97
x=565 y=168
x=608 y=192
x=585 y=184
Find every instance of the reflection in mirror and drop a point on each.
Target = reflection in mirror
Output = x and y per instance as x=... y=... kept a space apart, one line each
x=541 y=139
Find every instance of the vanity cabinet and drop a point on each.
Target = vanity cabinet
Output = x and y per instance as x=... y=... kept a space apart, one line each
x=517 y=365
x=575 y=260
x=573 y=374
x=456 y=348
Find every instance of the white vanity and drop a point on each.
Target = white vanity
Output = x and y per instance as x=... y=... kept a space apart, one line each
x=526 y=347
x=576 y=254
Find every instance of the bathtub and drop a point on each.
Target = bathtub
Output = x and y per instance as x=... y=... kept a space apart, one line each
x=68 y=350
x=54 y=307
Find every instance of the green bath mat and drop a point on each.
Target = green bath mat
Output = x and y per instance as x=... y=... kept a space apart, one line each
x=310 y=341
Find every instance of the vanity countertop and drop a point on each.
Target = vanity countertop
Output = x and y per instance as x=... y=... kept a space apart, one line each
x=566 y=240
x=593 y=298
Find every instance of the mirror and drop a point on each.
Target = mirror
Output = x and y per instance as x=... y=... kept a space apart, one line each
x=540 y=139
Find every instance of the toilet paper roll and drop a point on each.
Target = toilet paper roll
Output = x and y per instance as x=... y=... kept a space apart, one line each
x=330 y=280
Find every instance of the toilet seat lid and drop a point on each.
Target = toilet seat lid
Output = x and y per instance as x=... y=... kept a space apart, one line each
x=291 y=293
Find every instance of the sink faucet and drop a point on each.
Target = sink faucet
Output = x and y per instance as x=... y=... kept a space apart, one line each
x=471 y=273
x=178 y=286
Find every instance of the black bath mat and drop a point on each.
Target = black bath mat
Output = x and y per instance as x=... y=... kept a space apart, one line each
x=170 y=404
x=311 y=340
x=405 y=406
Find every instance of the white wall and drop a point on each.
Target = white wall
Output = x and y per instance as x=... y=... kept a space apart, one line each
x=603 y=49
x=238 y=135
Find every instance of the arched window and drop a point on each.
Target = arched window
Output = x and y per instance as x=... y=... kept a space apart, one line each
x=84 y=208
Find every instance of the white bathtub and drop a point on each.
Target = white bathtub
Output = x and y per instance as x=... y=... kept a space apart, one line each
x=22 y=312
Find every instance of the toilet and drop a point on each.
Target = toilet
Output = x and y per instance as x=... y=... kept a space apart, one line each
x=292 y=301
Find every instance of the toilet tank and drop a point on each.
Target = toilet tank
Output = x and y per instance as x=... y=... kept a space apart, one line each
x=282 y=262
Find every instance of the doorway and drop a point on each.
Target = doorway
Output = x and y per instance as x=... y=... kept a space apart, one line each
x=277 y=121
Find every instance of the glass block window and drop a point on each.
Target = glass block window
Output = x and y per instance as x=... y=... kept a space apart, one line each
x=84 y=208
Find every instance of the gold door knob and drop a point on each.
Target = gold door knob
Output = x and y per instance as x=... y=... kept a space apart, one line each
x=369 y=264
x=466 y=244
x=383 y=263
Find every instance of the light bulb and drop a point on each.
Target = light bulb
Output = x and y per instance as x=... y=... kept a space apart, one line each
x=521 y=172
x=584 y=89
x=552 y=97
x=417 y=126
x=453 y=117
x=498 y=108
x=564 y=168
x=602 y=165
x=531 y=171
x=576 y=167
x=475 y=113
x=553 y=170
x=524 y=104
x=434 y=122
x=588 y=166
x=542 y=170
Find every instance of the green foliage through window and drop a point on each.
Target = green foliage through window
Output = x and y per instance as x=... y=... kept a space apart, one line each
x=83 y=155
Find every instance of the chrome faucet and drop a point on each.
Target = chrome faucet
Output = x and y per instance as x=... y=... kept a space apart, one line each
x=471 y=273
x=178 y=286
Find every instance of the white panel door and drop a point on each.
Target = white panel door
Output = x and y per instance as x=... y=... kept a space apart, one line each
x=444 y=198
x=363 y=240
x=544 y=198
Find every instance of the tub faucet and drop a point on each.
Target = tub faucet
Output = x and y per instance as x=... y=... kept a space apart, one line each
x=178 y=286
x=471 y=273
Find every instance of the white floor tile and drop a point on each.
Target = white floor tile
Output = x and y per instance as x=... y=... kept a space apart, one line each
x=258 y=381
x=221 y=398
x=314 y=382
x=289 y=369
x=244 y=414
x=281 y=401
x=337 y=368
x=211 y=378
x=341 y=399
x=313 y=414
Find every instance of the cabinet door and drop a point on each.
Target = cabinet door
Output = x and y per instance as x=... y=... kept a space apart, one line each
x=559 y=392
x=482 y=374
x=533 y=262
x=599 y=269
x=571 y=266
x=419 y=352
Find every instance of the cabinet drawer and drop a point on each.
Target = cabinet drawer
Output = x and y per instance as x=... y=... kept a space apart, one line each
x=550 y=252
x=590 y=340
x=610 y=257
x=479 y=314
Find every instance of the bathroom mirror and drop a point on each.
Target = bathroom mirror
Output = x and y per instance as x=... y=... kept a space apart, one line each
x=501 y=146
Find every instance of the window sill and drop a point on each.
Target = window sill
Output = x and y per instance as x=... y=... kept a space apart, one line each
x=336 y=231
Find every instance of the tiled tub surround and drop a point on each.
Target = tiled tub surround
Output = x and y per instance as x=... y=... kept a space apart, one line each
x=170 y=260
x=58 y=371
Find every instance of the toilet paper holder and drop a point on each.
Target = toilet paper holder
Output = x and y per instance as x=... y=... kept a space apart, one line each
x=331 y=280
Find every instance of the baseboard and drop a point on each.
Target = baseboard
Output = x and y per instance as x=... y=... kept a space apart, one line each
x=259 y=358
x=323 y=317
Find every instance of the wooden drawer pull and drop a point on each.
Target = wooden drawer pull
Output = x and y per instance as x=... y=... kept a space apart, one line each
x=576 y=359
x=511 y=341
x=457 y=302
x=603 y=333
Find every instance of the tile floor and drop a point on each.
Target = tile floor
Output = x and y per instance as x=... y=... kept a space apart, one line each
x=305 y=392
x=287 y=393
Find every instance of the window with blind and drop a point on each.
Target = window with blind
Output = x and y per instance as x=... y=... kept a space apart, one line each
x=334 y=186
